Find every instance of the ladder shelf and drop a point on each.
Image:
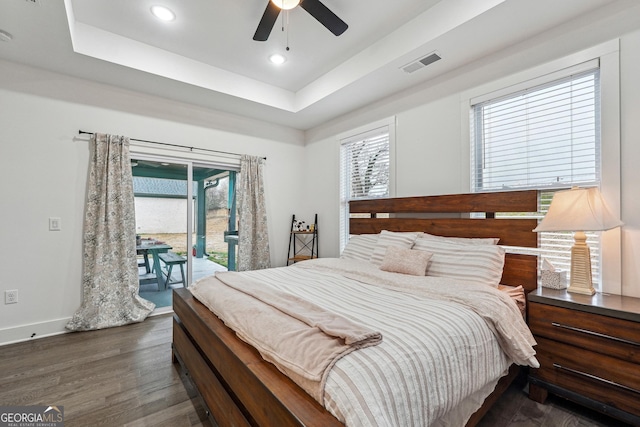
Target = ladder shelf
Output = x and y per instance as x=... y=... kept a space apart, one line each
x=303 y=243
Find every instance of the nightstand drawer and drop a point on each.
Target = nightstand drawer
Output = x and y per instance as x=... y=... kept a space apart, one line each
x=600 y=377
x=602 y=334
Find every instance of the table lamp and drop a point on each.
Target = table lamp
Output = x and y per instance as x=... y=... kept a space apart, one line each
x=581 y=209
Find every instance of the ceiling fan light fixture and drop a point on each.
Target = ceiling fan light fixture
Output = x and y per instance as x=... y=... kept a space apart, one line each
x=315 y=8
x=286 y=4
x=277 y=59
x=163 y=13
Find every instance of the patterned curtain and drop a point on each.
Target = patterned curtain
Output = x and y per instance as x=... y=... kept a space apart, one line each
x=110 y=272
x=253 y=238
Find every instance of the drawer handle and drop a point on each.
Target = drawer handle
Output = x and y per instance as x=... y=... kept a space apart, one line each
x=597 y=334
x=594 y=377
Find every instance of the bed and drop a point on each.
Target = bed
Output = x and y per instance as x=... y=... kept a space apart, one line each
x=240 y=388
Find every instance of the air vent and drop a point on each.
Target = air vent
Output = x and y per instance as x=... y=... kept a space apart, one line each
x=421 y=63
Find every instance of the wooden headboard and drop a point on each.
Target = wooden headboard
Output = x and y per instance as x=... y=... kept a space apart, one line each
x=448 y=215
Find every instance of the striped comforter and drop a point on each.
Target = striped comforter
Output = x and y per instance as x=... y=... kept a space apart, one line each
x=439 y=357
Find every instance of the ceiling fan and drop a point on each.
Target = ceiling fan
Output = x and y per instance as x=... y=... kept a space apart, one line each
x=314 y=7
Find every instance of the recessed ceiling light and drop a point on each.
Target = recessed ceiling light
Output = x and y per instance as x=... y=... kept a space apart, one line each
x=277 y=59
x=163 y=13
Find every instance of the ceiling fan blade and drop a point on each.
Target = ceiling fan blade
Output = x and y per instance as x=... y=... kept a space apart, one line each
x=327 y=18
x=266 y=23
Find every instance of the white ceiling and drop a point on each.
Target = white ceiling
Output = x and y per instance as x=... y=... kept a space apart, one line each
x=207 y=56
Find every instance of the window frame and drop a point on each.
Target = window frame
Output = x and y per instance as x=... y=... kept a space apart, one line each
x=348 y=137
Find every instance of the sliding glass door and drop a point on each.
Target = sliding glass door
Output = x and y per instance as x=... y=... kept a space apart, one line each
x=185 y=219
x=215 y=229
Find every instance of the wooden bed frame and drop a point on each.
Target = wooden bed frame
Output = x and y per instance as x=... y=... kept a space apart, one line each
x=239 y=388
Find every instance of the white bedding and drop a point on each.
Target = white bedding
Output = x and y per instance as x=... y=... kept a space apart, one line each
x=438 y=358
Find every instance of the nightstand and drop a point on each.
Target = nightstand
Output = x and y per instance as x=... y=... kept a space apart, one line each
x=589 y=350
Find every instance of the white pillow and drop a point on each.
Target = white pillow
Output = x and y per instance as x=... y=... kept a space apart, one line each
x=467 y=240
x=478 y=263
x=390 y=238
x=405 y=261
x=360 y=247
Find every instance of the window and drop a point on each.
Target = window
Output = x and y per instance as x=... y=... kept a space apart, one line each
x=545 y=137
x=365 y=170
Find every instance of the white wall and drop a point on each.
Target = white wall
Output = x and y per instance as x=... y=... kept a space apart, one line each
x=43 y=173
x=630 y=159
x=431 y=143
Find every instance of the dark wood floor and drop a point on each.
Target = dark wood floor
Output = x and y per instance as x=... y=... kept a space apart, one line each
x=124 y=377
x=113 y=377
x=514 y=408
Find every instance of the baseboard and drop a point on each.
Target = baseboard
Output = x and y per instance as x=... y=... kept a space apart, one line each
x=33 y=331
x=49 y=328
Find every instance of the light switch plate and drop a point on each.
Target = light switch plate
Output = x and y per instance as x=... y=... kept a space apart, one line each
x=55 y=224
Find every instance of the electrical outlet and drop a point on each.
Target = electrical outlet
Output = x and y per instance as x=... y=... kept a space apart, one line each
x=11 y=297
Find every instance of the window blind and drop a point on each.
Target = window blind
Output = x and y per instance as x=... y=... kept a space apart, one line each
x=365 y=165
x=547 y=136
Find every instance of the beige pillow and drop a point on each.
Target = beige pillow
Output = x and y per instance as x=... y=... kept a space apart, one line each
x=391 y=238
x=360 y=247
x=477 y=263
x=405 y=261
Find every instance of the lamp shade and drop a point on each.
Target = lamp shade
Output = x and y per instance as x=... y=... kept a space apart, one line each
x=578 y=209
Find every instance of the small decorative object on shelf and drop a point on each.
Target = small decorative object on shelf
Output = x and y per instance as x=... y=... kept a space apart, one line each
x=303 y=241
x=298 y=225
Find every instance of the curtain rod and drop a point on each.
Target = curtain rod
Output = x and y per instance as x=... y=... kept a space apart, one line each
x=80 y=132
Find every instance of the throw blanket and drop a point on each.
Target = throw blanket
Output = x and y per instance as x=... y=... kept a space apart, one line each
x=302 y=339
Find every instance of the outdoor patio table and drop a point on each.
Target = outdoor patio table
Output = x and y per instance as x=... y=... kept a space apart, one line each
x=154 y=249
